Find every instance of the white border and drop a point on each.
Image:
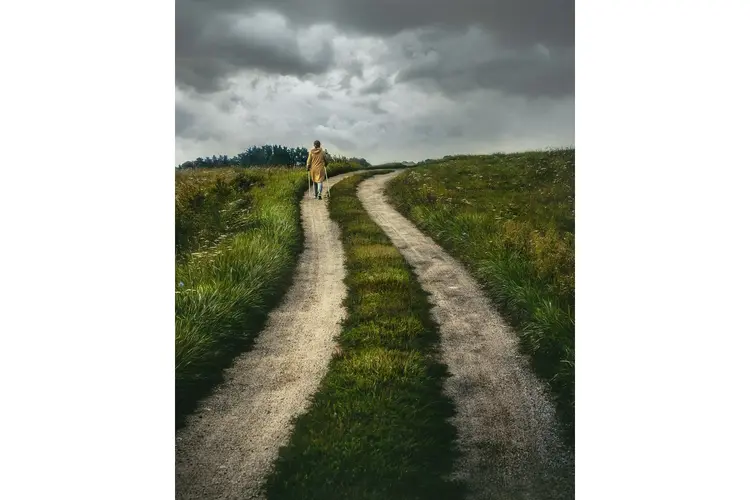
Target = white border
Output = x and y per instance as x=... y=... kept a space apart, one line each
x=662 y=253
x=87 y=204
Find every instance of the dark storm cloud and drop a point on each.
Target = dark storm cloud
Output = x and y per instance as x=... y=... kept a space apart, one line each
x=456 y=65
x=381 y=79
x=210 y=45
x=501 y=58
x=517 y=22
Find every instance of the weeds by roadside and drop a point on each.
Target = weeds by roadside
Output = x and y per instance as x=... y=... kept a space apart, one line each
x=510 y=219
x=237 y=237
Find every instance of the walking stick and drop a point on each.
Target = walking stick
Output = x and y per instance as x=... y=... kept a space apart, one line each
x=328 y=186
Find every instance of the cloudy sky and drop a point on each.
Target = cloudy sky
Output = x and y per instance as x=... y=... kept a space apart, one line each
x=387 y=80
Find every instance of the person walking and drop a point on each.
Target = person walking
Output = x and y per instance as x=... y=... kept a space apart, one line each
x=316 y=165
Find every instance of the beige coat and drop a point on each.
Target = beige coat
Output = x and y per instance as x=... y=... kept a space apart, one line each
x=316 y=162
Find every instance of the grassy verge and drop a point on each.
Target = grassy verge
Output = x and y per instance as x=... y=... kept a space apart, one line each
x=510 y=220
x=237 y=237
x=378 y=427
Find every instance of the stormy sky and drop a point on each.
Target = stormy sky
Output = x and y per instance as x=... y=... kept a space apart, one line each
x=385 y=80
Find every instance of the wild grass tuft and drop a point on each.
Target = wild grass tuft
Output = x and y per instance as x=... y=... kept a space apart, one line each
x=510 y=219
x=238 y=234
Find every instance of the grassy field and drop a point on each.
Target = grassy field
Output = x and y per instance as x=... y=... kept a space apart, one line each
x=510 y=219
x=237 y=236
x=377 y=428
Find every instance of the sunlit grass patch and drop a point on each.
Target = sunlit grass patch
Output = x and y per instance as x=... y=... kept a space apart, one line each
x=399 y=332
x=385 y=278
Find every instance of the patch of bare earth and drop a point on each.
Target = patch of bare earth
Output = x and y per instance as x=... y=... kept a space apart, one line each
x=230 y=443
x=508 y=435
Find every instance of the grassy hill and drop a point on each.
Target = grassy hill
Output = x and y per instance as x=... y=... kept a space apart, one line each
x=237 y=237
x=510 y=219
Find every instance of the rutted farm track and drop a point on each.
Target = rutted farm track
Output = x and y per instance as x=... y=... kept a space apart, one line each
x=507 y=433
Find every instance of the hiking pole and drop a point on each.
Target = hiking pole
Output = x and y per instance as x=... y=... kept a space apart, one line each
x=309 y=184
x=328 y=186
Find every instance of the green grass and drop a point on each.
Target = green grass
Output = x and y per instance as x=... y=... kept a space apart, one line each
x=237 y=238
x=510 y=220
x=377 y=428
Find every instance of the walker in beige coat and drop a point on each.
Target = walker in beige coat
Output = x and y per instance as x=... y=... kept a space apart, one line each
x=317 y=171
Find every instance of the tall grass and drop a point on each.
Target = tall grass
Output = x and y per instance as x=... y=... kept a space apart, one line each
x=377 y=428
x=510 y=219
x=237 y=236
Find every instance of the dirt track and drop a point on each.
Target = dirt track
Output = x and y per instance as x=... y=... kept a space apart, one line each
x=505 y=420
x=229 y=444
x=507 y=432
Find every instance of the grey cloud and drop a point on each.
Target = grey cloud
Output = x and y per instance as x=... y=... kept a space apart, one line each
x=183 y=120
x=209 y=46
x=483 y=121
x=346 y=81
x=462 y=62
x=373 y=106
x=444 y=130
x=187 y=127
x=516 y=22
x=378 y=86
x=454 y=131
x=355 y=68
x=423 y=130
x=477 y=76
x=476 y=44
x=342 y=143
x=518 y=74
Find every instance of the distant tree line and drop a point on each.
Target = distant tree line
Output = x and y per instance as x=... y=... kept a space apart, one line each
x=267 y=155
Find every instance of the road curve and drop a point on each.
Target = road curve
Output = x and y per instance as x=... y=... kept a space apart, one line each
x=508 y=435
x=229 y=445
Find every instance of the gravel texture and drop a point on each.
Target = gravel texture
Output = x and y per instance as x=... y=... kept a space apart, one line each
x=508 y=434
